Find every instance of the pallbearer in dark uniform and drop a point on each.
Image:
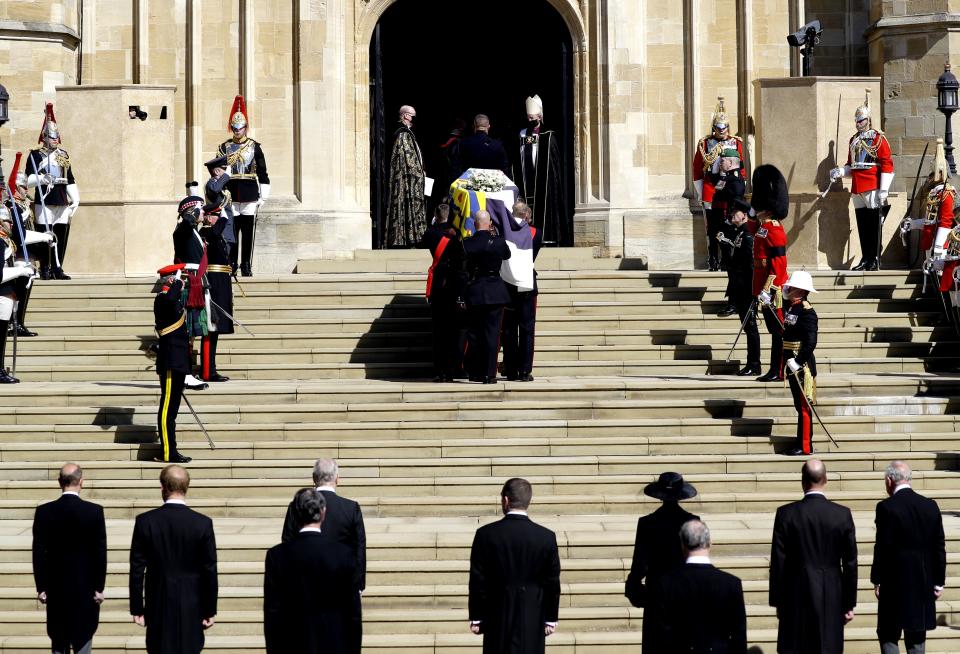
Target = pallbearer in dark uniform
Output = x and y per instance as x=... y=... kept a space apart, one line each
x=446 y=285
x=220 y=293
x=249 y=183
x=520 y=315
x=539 y=174
x=740 y=270
x=190 y=249
x=770 y=201
x=57 y=195
x=799 y=342
x=173 y=358
x=486 y=295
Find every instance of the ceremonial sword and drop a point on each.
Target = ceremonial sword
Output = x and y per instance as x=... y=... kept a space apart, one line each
x=742 y=325
x=197 y=418
x=235 y=321
x=812 y=410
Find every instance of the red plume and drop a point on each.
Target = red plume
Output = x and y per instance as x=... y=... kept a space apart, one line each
x=239 y=104
x=47 y=117
x=13 y=176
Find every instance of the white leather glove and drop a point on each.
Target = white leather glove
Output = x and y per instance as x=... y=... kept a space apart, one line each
x=264 y=192
x=835 y=174
x=73 y=194
x=938 y=253
x=765 y=298
x=792 y=365
x=883 y=196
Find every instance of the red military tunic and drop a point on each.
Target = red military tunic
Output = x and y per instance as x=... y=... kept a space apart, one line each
x=708 y=151
x=937 y=213
x=870 y=147
x=769 y=253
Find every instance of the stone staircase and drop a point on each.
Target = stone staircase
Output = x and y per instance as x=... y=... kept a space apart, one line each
x=631 y=381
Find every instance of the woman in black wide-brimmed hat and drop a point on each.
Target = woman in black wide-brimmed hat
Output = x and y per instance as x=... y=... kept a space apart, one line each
x=657 y=548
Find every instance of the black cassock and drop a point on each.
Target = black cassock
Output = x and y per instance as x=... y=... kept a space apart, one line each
x=813 y=574
x=514 y=584
x=909 y=559
x=541 y=181
x=174 y=548
x=69 y=565
x=656 y=551
x=309 y=596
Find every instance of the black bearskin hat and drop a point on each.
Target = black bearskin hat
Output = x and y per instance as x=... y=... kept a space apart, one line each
x=770 y=192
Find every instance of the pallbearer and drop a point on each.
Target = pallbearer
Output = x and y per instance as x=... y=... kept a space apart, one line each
x=57 y=195
x=173 y=358
x=799 y=342
x=249 y=184
x=870 y=166
x=770 y=201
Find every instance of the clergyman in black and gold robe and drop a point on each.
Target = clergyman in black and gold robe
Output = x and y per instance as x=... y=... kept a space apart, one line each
x=406 y=212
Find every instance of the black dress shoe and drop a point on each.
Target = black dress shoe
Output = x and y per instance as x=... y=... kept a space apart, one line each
x=45 y=273
x=57 y=273
x=474 y=378
x=217 y=377
x=24 y=332
x=749 y=370
x=728 y=310
x=874 y=265
x=525 y=377
x=7 y=378
x=771 y=376
x=794 y=451
x=176 y=457
x=246 y=270
x=489 y=380
x=862 y=265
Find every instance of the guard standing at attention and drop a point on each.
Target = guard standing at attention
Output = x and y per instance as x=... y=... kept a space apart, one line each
x=173 y=358
x=799 y=342
x=486 y=295
x=770 y=201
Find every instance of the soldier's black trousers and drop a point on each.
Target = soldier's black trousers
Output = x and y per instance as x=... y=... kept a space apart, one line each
x=243 y=228
x=519 y=329
x=483 y=339
x=449 y=337
x=715 y=223
x=868 y=225
x=750 y=330
x=171 y=391
x=770 y=316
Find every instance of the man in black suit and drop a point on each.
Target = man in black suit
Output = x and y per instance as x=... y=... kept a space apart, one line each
x=480 y=150
x=909 y=563
x=343 y=524
x=70 y=564
x=813 y=569
x=309 y=587
x=175 y=549
x=486 y=294
x=514 y=593
x=700 y=607
x=657 y=550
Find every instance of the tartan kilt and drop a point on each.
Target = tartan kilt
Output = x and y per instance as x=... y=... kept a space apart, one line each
x=196 y=320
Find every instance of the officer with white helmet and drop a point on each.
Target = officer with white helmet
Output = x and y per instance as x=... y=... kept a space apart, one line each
x=799 y=342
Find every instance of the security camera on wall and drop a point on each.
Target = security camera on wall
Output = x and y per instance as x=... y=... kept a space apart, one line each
x=806 y=38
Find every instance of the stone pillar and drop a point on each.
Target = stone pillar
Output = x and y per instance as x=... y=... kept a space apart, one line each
x=125 y=172
x=797 y=132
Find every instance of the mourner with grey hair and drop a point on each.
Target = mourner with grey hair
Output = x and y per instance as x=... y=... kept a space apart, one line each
x=699 y=607
x=909 y=563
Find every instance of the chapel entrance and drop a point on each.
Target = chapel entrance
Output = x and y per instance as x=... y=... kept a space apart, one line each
x=453 y=60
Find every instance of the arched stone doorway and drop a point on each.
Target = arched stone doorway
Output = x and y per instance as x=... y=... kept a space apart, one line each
x=451 y=63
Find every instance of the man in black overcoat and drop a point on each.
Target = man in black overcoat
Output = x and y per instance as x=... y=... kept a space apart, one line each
x=909 y=563
x=480 y=150
x=514 y=592
x=813 y=569
x=173 y=561
x=486 y=295
x=70 y=564
x=309 y=587
x=343 y=523
x=700 y=608
x=657 y=549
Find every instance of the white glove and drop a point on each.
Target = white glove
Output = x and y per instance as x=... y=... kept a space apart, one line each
x=835 y=174
x=73 y=194
x=264 y=192
x=883 y=196
x=765 y=298
x=938 y=253
x=792 y=365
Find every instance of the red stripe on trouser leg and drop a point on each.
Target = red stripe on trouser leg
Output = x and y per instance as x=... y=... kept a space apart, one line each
x=205 y=357
x=806 y=430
